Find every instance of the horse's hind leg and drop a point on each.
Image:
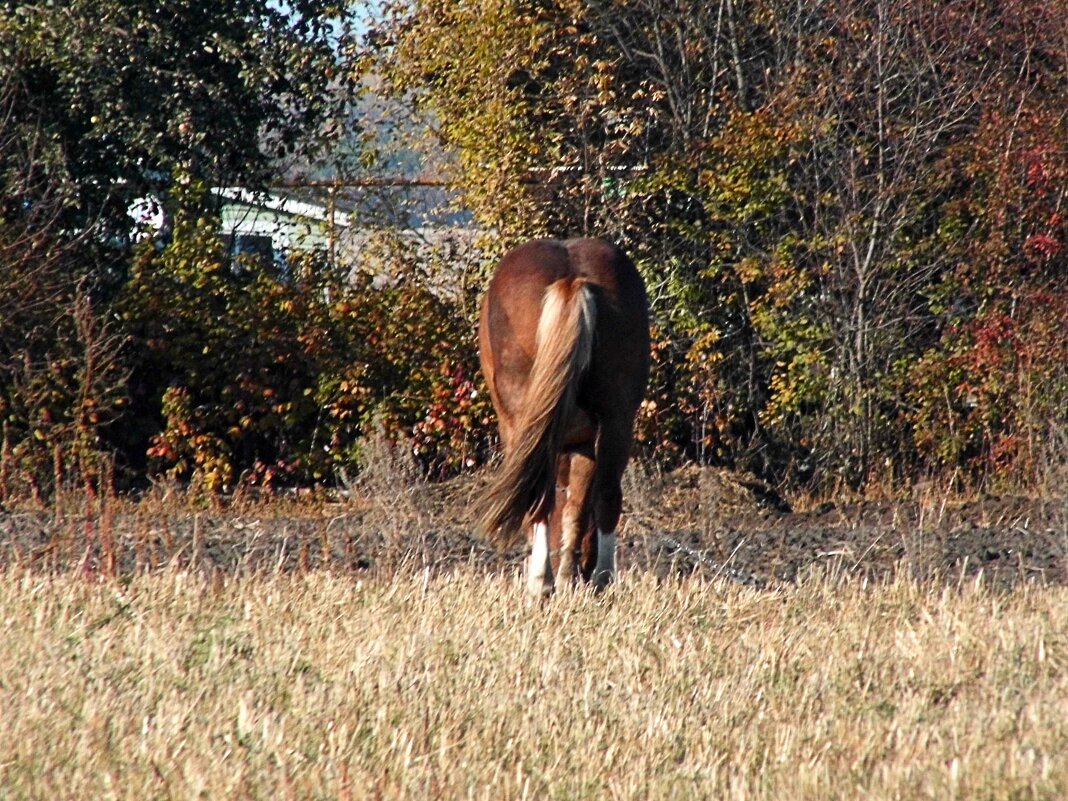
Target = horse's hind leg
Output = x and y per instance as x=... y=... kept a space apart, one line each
x=574 y=518
x=539 y=567
x=613 y=450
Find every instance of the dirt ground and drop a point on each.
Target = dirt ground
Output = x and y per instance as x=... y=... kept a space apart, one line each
x=712 y=520
x=704 y=521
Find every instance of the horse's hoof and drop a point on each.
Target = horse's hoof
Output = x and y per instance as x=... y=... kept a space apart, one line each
x=539 y=593
x=601 y=581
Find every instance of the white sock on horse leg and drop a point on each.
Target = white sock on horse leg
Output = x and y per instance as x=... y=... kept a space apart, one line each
x=606 y=559
x=539 y=570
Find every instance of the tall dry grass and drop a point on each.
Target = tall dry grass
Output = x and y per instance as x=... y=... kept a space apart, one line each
x=318 y=684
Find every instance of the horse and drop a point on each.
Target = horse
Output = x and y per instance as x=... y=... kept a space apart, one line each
x=564 y=348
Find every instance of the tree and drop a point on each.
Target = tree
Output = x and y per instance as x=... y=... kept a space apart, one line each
x=130 y=95
x=102 y=102
x=828 y=200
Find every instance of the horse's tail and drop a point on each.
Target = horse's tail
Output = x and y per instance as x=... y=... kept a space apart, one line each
x=526 y=482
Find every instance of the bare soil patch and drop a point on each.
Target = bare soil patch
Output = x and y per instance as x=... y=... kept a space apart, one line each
x=695 y=520
x=712 y=520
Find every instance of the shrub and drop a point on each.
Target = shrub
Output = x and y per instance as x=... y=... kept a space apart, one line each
x=258 y=374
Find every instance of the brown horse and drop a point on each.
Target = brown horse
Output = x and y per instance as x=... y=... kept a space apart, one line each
x=564 y=344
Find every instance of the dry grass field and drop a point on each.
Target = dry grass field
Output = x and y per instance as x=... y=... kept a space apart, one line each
x=324 y=686
x=150 y=652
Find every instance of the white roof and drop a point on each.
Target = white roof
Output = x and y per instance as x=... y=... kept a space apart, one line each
x=285 y=205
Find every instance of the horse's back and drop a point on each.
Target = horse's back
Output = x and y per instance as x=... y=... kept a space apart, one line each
x=531 y=267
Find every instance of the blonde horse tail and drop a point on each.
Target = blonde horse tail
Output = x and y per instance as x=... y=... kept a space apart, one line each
x=526 y=482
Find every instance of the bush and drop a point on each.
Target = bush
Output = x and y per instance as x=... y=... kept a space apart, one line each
x=254 y=374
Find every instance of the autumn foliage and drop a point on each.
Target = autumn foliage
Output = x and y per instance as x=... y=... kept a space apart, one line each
x=271 y=376
x=850 y=217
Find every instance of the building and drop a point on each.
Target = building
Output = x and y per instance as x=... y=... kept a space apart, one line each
x=271 y=224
